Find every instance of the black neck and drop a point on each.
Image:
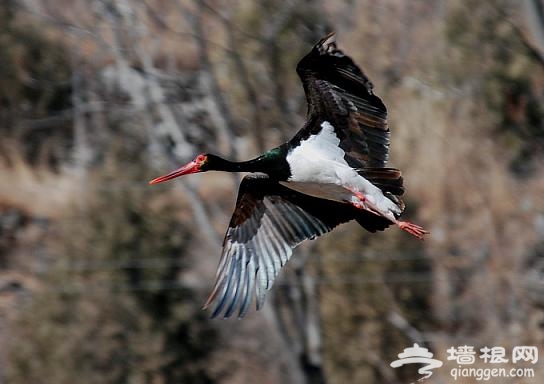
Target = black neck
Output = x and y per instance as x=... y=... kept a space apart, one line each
x=272 y=163
x=255 y=165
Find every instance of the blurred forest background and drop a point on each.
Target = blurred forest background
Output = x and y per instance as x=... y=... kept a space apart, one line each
x=102 y=277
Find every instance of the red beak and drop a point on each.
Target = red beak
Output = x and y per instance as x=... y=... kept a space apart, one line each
x=187 y=169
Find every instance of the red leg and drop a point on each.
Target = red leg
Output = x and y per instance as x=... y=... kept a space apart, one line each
x=363 y=203
x=411 y=228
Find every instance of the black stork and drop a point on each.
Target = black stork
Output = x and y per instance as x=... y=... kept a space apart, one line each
x=332 y=171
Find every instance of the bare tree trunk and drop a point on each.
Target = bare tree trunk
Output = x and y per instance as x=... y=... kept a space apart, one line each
x=252 y=96
x=312 y=358
x=157 y=119
x=82 y=148
x=208 y=78
x=298 y=318
x=533 y=11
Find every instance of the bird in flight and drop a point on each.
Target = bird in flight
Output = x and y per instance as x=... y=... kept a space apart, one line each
x=332 y=171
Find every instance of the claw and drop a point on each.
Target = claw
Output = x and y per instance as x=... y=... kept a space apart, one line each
x=412 y=229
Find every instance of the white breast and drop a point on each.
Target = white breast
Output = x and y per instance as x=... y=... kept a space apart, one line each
x=320 y=159
x=317 y=157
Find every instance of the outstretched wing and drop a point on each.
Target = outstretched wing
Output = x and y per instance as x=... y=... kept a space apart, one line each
x=268 y=222
x=339 y=92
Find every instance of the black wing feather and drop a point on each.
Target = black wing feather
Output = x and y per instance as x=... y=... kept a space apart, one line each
x=268 y=222
x=339 y=92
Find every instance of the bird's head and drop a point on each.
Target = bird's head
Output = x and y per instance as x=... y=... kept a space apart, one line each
x=201 y=163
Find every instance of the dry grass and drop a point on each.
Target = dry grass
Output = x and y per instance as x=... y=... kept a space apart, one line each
x=37 y=191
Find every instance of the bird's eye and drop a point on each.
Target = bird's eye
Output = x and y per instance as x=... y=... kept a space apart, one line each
x=200 y=158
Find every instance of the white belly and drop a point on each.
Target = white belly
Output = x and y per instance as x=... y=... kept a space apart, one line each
x=319 y=159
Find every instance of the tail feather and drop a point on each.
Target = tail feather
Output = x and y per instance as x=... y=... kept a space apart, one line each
x=387 y=179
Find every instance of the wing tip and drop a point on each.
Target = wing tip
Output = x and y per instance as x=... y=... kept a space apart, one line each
x=233 y=298
x=221 y=312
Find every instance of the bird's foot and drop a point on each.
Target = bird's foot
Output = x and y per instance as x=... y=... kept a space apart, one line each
x=360 y=201
x=412 y=229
